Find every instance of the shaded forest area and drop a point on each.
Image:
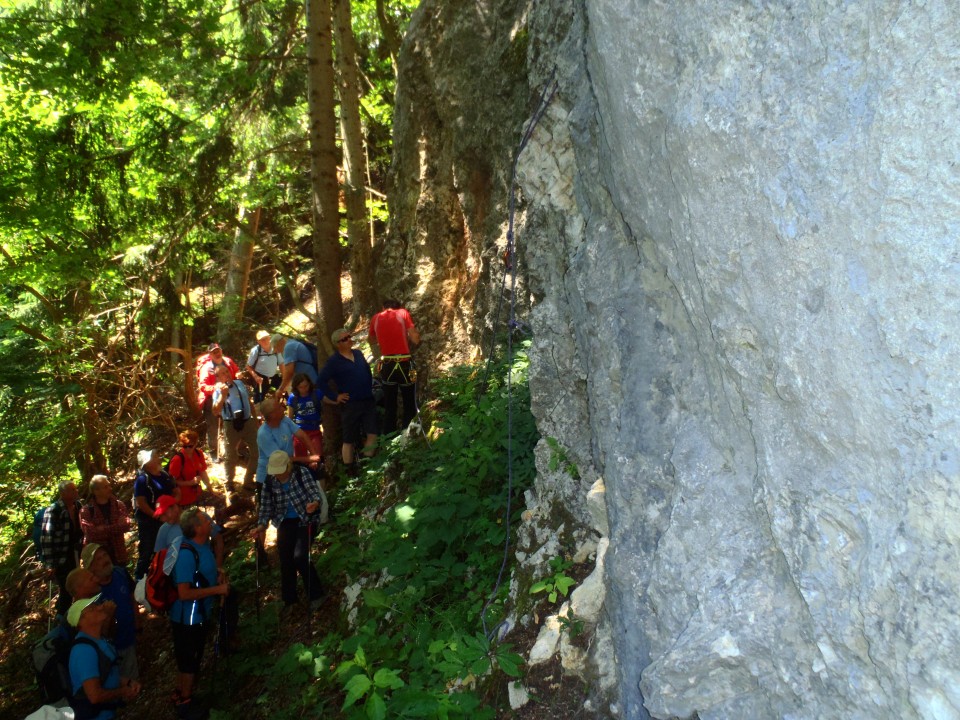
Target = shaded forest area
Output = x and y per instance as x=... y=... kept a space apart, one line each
x=175 y=172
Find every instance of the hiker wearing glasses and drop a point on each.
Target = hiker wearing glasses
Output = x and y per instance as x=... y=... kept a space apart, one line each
x=348 y=368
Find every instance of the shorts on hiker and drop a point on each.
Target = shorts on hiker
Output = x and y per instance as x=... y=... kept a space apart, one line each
x=359 y=420
x=188 y=643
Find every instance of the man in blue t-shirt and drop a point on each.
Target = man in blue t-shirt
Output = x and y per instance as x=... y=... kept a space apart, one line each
x=297 y=358
x=99 y=694
x=116 y=586
x=277 y=433
x=198 y=581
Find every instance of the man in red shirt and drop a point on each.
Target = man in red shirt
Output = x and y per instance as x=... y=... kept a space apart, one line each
x=206 y=385
x=390 y=331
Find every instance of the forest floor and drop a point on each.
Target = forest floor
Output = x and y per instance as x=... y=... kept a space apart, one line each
x=554 y=694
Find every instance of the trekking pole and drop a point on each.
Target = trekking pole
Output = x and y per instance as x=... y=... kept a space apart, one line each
x=309 y=589
x=256 y=552
x=49 y=601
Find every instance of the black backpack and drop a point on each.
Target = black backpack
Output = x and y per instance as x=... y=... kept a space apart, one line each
x=51 y=661
x=199 y=581
x=83 y=709
x=38 y=532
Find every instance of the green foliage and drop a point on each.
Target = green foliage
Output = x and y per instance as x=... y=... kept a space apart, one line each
x=422 y=532
x=560 y=461
x=558 y=584
x=130 y=135
x=571 y=624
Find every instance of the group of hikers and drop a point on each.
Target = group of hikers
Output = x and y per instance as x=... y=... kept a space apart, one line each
x=274 y=425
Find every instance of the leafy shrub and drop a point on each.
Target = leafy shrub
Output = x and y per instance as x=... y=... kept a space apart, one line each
x=424 y=528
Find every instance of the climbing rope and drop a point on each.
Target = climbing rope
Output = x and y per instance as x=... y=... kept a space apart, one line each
x=510 y=267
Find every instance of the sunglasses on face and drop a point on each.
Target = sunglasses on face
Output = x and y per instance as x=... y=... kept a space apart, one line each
x=344 y=338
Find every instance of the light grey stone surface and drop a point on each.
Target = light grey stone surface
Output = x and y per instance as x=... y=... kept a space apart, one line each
x=741 y=230
x=738 y=234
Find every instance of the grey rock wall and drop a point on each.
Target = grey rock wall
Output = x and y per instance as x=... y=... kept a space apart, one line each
x=741 y=230
x=461 y=100
x=739 y=224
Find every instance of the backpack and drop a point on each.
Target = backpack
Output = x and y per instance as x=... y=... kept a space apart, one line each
x=51 y=661
x=199 y=363
x=38 y=532
x=159 y=589
x=183 y=459
x=311 y=350
x=83 y=709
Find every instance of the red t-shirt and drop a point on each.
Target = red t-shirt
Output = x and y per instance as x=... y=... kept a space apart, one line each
x=389 y=330
x=187 y=468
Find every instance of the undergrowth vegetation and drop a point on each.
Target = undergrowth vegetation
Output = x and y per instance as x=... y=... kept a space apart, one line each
x=418 y=545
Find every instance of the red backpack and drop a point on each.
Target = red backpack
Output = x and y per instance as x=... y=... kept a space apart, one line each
x=159 y=589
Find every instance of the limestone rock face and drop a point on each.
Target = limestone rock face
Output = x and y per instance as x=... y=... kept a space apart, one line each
x=739 y=223
x=461 y=101
x=741 y=235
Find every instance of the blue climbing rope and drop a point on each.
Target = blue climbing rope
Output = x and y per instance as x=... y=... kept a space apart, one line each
x=510 y=267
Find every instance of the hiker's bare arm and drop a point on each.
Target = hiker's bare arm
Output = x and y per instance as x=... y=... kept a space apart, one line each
x=187 y=592
x=143 y=506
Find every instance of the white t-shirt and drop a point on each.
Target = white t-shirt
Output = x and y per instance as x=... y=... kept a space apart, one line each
x=265 y=363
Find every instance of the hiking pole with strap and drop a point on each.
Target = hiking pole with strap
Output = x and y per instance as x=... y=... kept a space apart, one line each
x=49 y=601
x=256 y=552
x=309 y=589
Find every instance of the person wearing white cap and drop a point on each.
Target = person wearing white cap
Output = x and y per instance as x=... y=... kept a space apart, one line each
x=264 y=366
x=96 y=695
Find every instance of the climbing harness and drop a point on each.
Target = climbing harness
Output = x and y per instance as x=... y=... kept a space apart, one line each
x=395 y=364
x=510 y=267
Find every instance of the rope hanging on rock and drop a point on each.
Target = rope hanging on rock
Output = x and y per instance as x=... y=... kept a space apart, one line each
x=510 y=267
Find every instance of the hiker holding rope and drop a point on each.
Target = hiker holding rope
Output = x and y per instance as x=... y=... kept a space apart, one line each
x=390 y=331
x=293 y=501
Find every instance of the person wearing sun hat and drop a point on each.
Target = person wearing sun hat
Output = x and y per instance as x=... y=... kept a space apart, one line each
x=96 y=695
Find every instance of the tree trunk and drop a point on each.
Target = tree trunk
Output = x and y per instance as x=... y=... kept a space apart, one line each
x=230 y=327
x=389 y=33
x=323 y=163
x=365 y=300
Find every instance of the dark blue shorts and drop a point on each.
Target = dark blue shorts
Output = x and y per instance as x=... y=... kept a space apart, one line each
x=359 y=416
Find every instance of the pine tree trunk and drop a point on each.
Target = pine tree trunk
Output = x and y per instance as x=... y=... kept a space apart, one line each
x=323 y=163
x=365 y=300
